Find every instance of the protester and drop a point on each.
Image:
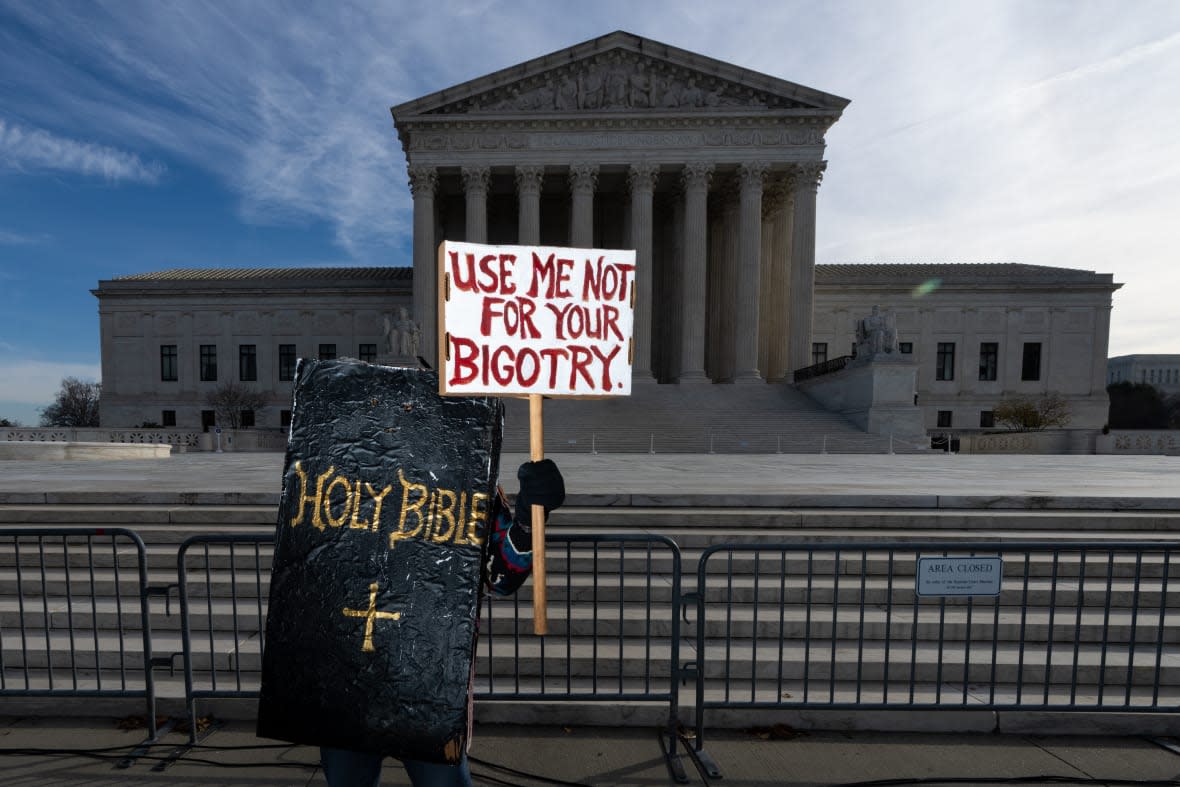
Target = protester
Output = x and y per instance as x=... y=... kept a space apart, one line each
x=507 y=562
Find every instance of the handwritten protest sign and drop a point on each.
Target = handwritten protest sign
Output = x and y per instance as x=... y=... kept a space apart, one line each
x=536 y=320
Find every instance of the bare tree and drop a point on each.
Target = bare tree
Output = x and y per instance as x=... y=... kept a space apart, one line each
x=8 y=422
x=229 y=400
x=75 y=404
x=1033 y=413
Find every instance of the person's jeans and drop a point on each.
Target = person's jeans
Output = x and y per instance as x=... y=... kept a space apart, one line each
x=344 y=768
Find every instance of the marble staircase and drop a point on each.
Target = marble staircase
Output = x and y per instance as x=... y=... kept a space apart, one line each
x=697 y=419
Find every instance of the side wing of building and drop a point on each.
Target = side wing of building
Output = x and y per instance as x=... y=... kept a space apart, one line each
x=980 y=333
x=170 y=338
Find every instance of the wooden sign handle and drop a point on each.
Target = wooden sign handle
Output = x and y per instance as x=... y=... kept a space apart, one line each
x=537 y=451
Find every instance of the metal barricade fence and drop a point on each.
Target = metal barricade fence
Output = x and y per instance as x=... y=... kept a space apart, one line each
x=614 y=603
x=227 y=607
x=923 y=625
x=614 y=630
x=74 y=618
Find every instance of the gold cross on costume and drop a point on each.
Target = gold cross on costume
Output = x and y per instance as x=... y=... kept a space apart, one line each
x=370 y=615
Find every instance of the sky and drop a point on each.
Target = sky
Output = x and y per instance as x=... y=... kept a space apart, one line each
x=139 y=136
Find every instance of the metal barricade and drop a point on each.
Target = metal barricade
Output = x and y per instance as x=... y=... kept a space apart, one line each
x=614 y=603
x=74 y=615
x=226 y=606
x=935 y=626
x=614 y=630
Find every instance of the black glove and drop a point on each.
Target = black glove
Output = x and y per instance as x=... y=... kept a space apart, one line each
x=540 y=484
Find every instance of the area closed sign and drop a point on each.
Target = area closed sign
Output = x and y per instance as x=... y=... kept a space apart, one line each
x=542 y=320
x=959 y=576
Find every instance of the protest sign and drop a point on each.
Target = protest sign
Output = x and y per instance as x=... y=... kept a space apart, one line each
x=536 y=320
x=374 y=589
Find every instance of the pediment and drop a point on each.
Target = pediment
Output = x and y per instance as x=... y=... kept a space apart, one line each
x=620 y=73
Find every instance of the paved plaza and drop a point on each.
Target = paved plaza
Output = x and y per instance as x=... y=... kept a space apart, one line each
x=911 y=481
x=602 y=757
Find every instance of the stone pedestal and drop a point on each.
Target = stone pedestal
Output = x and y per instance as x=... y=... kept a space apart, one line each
x=877 y=396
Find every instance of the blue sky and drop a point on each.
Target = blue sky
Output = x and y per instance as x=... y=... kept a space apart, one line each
x=139 y=136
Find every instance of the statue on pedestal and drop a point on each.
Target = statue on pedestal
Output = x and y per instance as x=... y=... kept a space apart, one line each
x=876 y=337
x=401 y=335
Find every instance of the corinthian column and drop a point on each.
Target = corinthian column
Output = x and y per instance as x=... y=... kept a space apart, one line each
x=528 y=194
x=804 y=183
x=745 y=347
x=642 y=180
x=475 y=187
x=695 y=182
x=778 y=368
x=583 y=181
x=423 y=181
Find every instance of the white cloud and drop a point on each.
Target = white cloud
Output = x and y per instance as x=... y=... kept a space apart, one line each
x=28 y=386
x=10 y=238
x=25 y=149
x=1007 y=131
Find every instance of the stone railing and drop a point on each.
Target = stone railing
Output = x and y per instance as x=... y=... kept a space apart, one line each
x=1049 y=441
x=820 y=369
x=1164 y=442
x=178 y=438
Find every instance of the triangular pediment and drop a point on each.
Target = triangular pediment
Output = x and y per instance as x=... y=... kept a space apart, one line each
x=620 y=72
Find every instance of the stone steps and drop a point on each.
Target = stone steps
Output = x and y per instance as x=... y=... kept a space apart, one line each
x=625 y=640
x=698 y=419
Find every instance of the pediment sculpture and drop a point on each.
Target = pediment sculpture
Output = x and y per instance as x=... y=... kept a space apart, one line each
x=617 y=81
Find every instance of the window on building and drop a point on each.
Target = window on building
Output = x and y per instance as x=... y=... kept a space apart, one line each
x=209 y=363
x=168 y=417
x=246 y=419
x=944 y=419
x=905 y=348
x=284 y=418
x=327 y=352
x=168 y=367
x=208 y=420
x=989 y=358
x=987 y=419
x=286 y=362
x=1030 y=367
x=247 y=362
x=367 y=352
x=945 y=368
x=819 y=352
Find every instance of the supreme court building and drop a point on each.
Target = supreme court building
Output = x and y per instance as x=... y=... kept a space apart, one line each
x=708 y=170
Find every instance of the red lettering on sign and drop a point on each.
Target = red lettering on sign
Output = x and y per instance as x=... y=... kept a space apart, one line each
x=465 y=353
x=493 y=273
x=610 y=321
x=551 y=354
x=553 y=274
x=541 y=271
x=458 y=280
x=580 y=358
x=502 y=370
x=516 y=317
x=606 y=360
x=606 y=281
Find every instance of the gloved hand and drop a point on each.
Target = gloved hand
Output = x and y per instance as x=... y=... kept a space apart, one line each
x=540 y=484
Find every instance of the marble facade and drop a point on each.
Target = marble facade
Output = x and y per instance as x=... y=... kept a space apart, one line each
x=707 y=170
